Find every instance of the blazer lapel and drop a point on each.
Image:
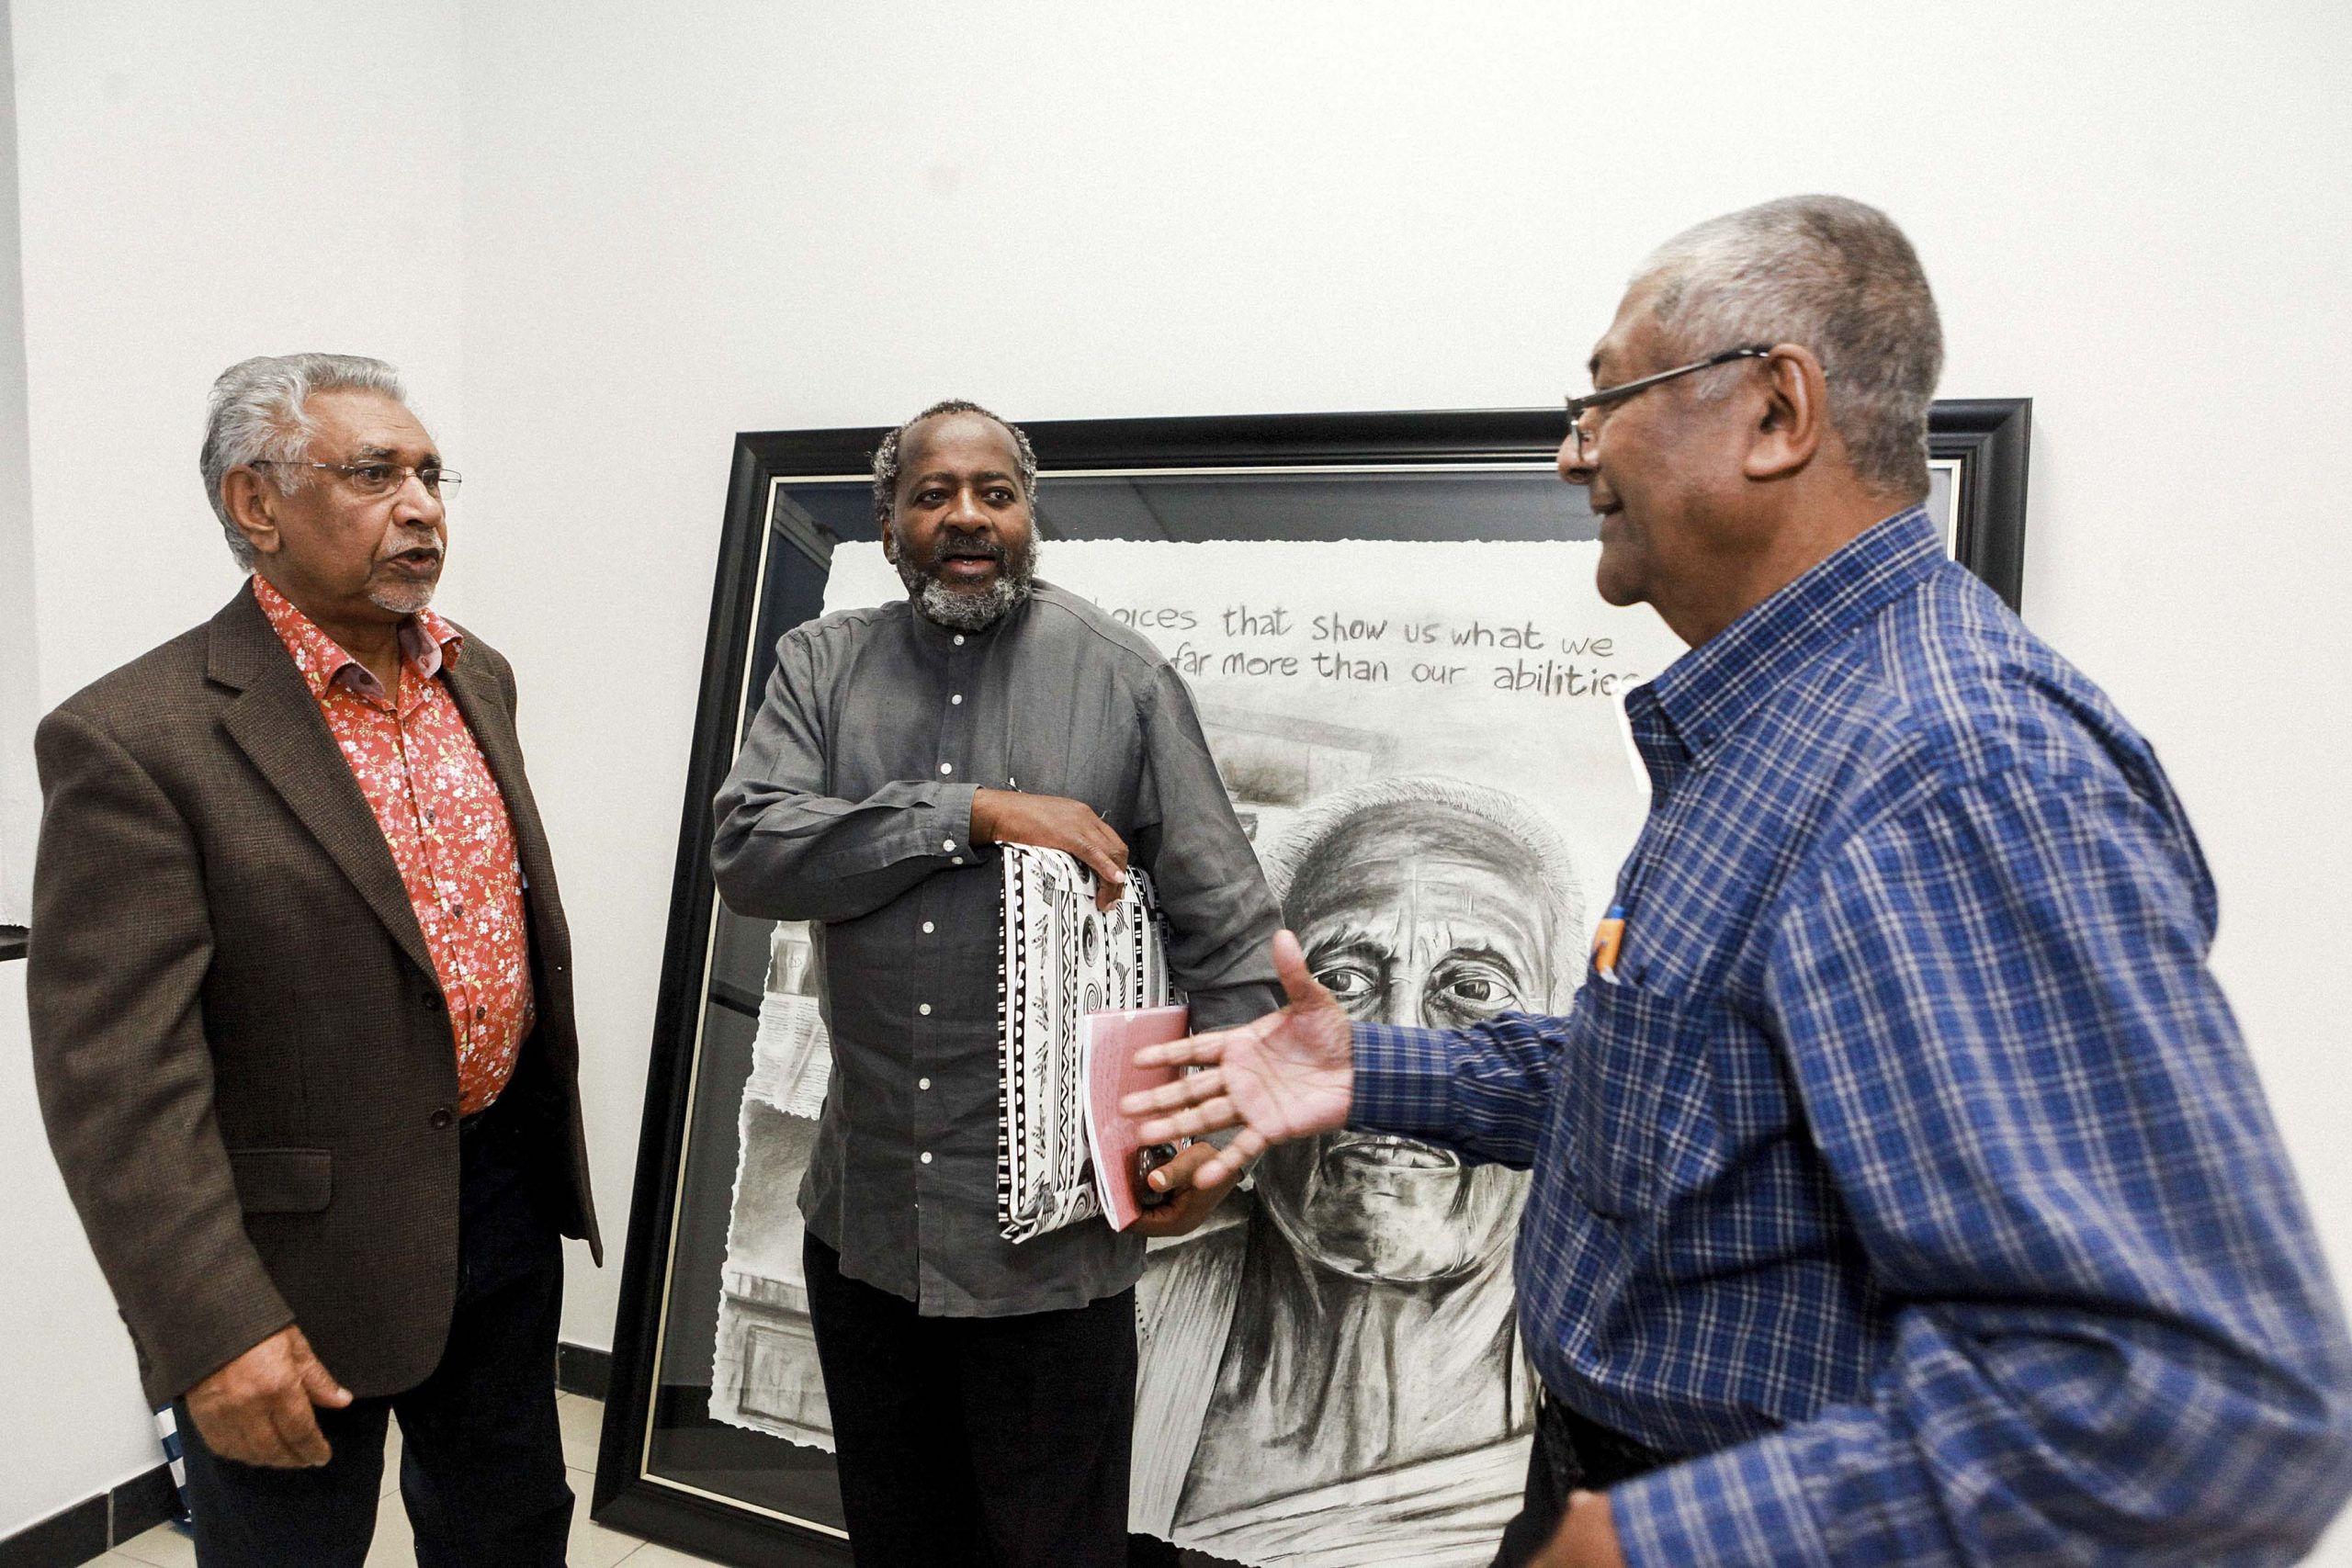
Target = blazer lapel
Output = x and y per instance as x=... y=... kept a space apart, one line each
x=471 y=682
x=278 y=723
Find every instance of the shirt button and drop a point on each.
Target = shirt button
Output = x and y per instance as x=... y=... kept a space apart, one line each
x=956 y=859
x=926 y=1154
x=924 y=1008
x=957 y=699
x=959 y=640
x=923 y=1083
x=946 y=767
x=928 y=927
x=946 y=843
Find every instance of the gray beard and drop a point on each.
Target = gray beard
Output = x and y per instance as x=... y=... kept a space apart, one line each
x=403 y=599
x=960 y=612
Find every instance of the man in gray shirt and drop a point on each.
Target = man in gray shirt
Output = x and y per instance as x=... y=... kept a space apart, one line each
x=982 y=1392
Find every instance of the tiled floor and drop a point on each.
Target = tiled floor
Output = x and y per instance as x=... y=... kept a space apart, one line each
x=592 y=1546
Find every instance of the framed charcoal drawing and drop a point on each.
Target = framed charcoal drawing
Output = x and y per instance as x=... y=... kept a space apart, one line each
x=1389 y=627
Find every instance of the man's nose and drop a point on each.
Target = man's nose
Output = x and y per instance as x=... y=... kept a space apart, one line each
x=1574 y=459
x=419 y=506
x=967 y=512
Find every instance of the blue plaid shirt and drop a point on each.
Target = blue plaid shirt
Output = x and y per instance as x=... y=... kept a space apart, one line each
x=1911 y=1176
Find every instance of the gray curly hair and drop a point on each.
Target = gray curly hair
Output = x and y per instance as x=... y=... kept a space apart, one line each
x=256 y=414
x=885 y=456
x=1836 y=276
x=1547 y=857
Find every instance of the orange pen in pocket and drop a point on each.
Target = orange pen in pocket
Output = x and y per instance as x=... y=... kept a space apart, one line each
x=1606 y=942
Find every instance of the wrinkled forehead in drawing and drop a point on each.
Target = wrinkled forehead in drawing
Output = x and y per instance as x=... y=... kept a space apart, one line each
x=1429 y=899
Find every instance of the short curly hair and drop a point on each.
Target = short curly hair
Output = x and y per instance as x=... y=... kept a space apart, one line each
x=885 y=456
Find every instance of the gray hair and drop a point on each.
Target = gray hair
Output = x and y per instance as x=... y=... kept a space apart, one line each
x=1835 y=277
x=885 y=456
x=257 y=413
x=1546 y=856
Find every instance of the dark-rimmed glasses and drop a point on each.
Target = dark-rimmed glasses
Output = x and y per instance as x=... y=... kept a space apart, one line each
x=374 y=480
x=1602 y=396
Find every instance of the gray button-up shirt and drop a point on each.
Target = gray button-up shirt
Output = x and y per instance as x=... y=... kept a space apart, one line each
x=851 y=806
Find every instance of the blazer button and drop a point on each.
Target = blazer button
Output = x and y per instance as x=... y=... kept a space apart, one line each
x=441 y=1117
x=433 y=1001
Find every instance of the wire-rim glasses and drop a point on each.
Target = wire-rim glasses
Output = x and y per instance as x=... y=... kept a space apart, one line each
x=1602 y=396
x=374 y=480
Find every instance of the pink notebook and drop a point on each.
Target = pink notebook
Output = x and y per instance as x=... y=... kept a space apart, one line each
x=1107 y=1043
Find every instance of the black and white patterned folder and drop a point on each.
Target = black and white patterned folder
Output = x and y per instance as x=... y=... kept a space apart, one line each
x=1062 y=960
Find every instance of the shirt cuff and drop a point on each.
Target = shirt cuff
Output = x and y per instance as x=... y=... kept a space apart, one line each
x=1404 y=1081
x=950 y=819
x=1744 y=1508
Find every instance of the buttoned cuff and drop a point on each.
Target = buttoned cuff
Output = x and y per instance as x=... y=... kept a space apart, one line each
x=1744 y=1508
x=1403 y=1083
x=949 y=825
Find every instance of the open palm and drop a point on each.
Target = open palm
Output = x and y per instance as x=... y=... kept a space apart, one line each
x=1289 y=1075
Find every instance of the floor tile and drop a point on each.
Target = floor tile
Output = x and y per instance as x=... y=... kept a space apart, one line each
x=395 y=1543
x=590 y=1544
x=391 y=1459
x=163 y=1547
x=654 y=1555
x=582 y=1420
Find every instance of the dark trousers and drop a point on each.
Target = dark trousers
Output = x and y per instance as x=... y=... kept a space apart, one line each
x=482 y=1461
x=1571 y=1454
x=977 y=1443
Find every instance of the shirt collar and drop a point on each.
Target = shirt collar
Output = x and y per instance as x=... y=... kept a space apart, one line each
x=1704 y=694
x=427 y=644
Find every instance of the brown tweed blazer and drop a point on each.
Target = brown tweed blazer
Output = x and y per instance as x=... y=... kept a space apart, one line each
x=238 y=1036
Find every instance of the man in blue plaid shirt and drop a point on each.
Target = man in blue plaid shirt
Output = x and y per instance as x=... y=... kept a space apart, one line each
x=1903 y=1193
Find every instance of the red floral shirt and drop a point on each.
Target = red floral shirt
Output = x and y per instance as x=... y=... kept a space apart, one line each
x=445 y=823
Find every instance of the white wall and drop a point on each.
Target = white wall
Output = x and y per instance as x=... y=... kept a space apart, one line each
x=754 y=216
x=196 y=184
x=19 y=658
x=612 y=242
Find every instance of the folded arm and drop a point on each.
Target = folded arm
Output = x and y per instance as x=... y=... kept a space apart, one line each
x=787 y=850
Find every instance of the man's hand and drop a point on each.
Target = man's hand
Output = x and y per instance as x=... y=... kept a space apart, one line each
x=258 y=1408
x=1289 y=1075
x=1586 y=1536
x=1054 y=822
x=1192 y=1201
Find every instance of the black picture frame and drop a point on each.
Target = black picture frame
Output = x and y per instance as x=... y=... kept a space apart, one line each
x=1984 y=441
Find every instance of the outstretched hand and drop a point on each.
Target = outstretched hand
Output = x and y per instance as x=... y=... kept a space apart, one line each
x=1289 y=1075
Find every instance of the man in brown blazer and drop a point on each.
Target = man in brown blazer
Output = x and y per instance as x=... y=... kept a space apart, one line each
x=302 y=1010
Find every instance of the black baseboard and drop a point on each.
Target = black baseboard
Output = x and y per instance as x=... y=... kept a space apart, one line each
x=578 y=1370
x=95 y=1525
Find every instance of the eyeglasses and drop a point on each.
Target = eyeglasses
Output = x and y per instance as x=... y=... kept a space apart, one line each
x=376 y=480
x=1584 y=435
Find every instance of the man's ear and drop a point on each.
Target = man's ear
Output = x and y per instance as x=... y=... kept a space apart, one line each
x=1795 y=416
x=889 y=542
x=253 y=507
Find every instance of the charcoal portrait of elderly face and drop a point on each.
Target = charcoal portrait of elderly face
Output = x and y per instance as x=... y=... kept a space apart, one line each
x=1368 y=1375
x=1418 y=911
